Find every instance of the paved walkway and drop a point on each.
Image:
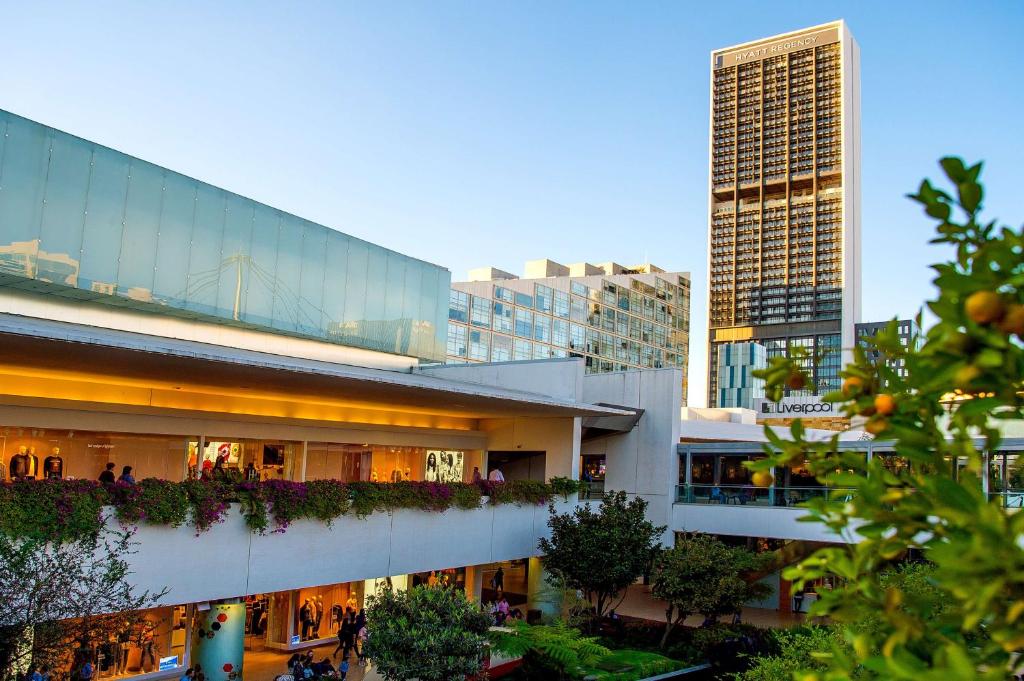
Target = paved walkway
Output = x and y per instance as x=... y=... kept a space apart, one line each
x=265 y=665
x=640 y=603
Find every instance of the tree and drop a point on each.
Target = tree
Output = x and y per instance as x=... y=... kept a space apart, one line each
x=601 y=552
x=942 y=416
x=62 y=597
x=555 y=651
x=702 y=575
x=425 y=633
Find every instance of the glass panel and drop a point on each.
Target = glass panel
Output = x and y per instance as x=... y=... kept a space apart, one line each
x=458 y=303
x=542 y=327
x=524 y=299
x=521 y=350
x=172 y=244
x=311 y=281
x=236 y=270
x=25 y=157
x=373 y=336
x=456 y=340
x=480 y=315
x=394 y=288
x=258 y=307
x=501 y=348
x=423 y=324
x=561 y=304
x=479 y=345
x=503 y=317
x=141 y=231
x=205 y=265
x=334 y=283
x=63 y=217
x=524 y=323
x=289 y=272
x=542 y=297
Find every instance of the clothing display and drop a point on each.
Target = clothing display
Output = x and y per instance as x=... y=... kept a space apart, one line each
x=306 y=615
x=24 y=465
x=53 y=466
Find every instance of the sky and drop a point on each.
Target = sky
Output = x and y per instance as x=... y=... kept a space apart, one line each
x=477 y=133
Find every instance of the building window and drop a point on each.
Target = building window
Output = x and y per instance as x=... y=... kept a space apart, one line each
x=577 y=337
x=503 y=294
x=578 y=310
x=521 y=349
x=561 y=304
x=456 y=340
x=501 y=348
x=559 y=332
x=503 y=317
x=541 y=351
x=458 y=306
x=479 y=345
x=524 y=323
x=480 y=312
x=542 y=299
x=542 y=327
x=579 y=289
x=524 y=299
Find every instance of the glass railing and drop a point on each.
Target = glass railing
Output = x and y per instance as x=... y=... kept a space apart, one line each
x=591 y=490
x=748 y=495
x=1009 y=498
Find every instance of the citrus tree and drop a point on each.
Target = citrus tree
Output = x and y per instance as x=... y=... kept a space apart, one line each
x=943 y=416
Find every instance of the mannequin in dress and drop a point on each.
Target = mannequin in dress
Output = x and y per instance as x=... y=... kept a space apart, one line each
x=53 y=466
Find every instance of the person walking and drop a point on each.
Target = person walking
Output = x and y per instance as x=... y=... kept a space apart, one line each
x=342 y=635
x=361 y=643
x=499 y=580
x=496 y=475
x=107 y=476
x=126 y=476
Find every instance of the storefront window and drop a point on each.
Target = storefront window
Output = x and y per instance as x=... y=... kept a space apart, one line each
x=72 y=454
x=453 y=578
x=348 y=463
x=247 y=459
x=319 y=610
x=156 y=639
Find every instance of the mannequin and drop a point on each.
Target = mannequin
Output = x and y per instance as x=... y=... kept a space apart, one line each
x=53 y=466
x=33 y=464
x=306 y=618
x=373 y=476
x=319 y=605
x=24 y=464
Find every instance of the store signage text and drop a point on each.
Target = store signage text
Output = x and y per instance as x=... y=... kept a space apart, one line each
x=795 y=407
x=786 y=46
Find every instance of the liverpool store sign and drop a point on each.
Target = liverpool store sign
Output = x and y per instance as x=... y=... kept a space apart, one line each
x=794 y=406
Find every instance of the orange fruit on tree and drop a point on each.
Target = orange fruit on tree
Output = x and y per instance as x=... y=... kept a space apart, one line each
x=852 y=385
x=762 y=479
x=885 y=404
x=876 y=426
x=966 y=375
x=1013 y=320
x=984 y=307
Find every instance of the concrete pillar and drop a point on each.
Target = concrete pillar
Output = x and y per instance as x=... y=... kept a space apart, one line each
x=539 y=594
x=218 y=641
x=474 y=582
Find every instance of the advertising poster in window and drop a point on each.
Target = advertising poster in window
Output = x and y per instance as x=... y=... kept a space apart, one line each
x=444 y=466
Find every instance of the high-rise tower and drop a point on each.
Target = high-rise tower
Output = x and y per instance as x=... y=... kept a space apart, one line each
x=784 y=264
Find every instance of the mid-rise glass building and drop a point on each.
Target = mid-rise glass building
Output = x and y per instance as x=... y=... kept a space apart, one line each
x=616 y=318
x=81 y=221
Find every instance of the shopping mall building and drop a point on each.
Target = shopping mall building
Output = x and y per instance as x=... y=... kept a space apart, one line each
x=151 y=320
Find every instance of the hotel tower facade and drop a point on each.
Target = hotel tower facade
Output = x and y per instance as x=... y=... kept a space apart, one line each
x=784 y=209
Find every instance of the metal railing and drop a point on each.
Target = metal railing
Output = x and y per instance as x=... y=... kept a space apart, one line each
x=748 y=495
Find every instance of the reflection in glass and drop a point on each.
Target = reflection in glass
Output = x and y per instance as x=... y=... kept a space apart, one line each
x=76 y=214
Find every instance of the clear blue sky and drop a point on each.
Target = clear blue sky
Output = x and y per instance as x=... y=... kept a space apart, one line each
x=476 y=132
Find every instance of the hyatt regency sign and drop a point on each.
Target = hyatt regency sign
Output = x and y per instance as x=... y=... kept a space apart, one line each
x=772 y=48
x=791 y=407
